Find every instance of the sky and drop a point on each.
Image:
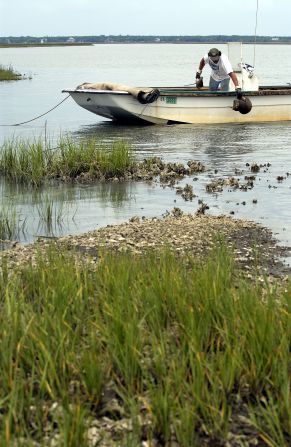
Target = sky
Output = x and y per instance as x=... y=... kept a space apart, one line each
x=144 y=17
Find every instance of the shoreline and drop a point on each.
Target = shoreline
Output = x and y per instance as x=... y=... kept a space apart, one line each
x=79 y=44
x=59 y=44
x=254 y=247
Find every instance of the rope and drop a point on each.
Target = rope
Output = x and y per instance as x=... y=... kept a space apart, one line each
x=39 y=116
x=256 y=33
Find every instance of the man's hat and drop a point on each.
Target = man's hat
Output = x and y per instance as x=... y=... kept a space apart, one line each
x=214 y=52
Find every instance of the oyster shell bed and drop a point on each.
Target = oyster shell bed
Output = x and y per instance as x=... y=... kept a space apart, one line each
x=251 y=244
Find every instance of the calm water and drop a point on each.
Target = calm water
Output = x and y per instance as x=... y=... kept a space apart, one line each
x=222 y=148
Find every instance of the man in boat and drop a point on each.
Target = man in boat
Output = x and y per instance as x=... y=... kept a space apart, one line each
x=221 y=72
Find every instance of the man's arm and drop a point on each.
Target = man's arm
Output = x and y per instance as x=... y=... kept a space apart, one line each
x=234 y=79
x=200 y=68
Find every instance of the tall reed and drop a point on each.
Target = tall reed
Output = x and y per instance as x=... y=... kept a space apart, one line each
x=190 y=351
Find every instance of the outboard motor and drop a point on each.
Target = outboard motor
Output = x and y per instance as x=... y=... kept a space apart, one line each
x=242 y=105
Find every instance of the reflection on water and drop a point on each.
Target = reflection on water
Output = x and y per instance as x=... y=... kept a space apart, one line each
x=56 y=210
x=115 y=193
x=213 y=143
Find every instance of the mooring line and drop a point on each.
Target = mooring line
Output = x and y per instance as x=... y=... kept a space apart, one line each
x=39 y=116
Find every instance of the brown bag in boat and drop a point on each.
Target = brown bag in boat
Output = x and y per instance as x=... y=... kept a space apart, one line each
x=143 y=95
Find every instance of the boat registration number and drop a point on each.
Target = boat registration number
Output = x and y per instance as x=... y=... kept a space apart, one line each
x=171 y=99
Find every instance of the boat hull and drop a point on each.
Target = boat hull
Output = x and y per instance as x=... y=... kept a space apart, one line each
x=180 y=105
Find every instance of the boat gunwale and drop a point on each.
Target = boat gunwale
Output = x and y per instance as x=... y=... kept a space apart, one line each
x=184 y=92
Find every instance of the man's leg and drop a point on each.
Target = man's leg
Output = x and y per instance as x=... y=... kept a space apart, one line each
x=224 y=85
x=213 y=85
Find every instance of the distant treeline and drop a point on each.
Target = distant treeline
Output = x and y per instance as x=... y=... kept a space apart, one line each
x=141 y=39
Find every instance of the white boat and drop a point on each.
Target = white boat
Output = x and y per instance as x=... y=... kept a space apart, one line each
x=187 y=104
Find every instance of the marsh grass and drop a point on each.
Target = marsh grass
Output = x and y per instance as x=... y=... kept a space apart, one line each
x=33 y=161
x=12 y=226
x=9 y=74
x=24 y=161
x=189 y=345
